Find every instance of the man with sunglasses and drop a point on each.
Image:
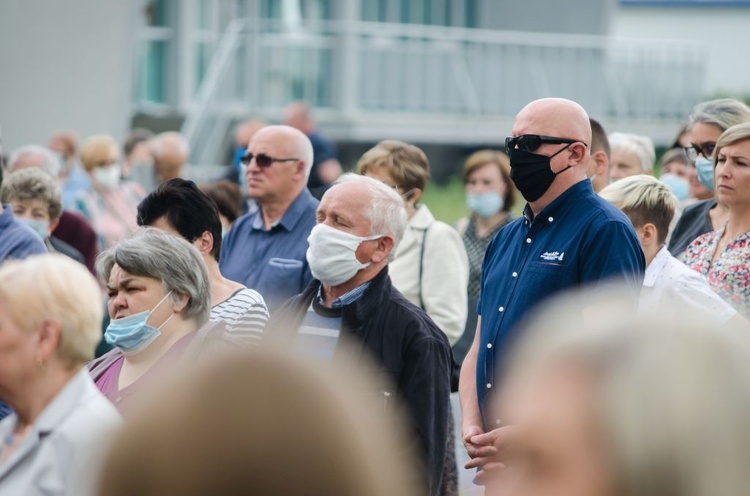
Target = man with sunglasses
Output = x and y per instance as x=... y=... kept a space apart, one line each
x=265 y=250
x=568 y=237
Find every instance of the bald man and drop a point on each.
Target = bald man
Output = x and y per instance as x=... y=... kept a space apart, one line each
x=170 y=151
x=568 y=237
x=265 y=249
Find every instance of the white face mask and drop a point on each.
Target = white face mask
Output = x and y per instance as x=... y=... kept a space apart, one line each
x=107 y=177
x=331 y=254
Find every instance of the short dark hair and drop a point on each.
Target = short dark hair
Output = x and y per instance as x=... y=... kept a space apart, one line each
x=599 y=140
x=186 y=208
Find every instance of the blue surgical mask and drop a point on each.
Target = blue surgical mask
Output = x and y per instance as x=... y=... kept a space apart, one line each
x=705 y=168
x=677 y=185
x=131 y=334
x=41 y=227
x=485 y=204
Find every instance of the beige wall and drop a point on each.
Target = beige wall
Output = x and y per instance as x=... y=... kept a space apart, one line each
x=65 y=64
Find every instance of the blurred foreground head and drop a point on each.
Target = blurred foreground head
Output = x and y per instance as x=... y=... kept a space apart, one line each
x=262 y=423
x=610 y=403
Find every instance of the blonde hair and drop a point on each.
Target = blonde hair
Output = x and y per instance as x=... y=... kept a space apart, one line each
x=53 y=287
x=645 y=200
x=671 y=390
x=407 y=164
x=287 y=427
x=97 y=149
x=734 y=134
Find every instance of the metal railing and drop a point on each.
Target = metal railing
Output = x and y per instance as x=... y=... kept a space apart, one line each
x=356 y=69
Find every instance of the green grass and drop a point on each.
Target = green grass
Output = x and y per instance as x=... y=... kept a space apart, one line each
x=447 y=202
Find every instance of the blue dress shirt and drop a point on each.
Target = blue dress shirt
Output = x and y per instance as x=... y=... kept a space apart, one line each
x=16 y=239
x=578 y=239
x=273 y=262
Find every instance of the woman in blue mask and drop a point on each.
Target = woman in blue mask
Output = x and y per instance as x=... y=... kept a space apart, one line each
x=490 y=195
x=705 y=124
x=159 y=300
x=37 y=202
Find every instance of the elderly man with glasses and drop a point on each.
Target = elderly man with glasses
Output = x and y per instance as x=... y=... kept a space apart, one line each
x=567 y=237
x=265 y=249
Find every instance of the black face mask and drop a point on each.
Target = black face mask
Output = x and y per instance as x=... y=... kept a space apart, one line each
x=531 y=172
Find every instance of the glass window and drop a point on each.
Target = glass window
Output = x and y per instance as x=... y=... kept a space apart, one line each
x=157 y=13
x=152 y=72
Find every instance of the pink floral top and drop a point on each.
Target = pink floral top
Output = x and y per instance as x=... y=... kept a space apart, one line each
x=729 y=275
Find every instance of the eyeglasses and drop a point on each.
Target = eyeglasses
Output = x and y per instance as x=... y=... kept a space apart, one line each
x=263 y=160
x=706 y=149
x=530 y=142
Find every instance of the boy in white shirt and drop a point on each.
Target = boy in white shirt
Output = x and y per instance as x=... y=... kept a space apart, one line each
x=650 y=206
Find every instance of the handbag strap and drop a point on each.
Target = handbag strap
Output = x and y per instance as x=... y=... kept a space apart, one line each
x=421 y=266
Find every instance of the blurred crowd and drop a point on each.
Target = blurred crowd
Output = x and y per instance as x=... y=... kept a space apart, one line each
x=292 y=328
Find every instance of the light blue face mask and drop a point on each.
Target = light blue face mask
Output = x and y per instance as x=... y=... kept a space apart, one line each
x=677 y=185
x=41 y=227
x=131 y=334
x=485 y=204
x=705 y=168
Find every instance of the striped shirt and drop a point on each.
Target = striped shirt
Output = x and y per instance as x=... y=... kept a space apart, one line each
x=244 y=314
x=319 y=332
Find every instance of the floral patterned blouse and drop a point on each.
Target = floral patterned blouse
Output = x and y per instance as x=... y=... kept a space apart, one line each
x=729 y=275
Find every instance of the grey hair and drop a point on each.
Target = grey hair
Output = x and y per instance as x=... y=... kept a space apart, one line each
x=33 y=184
x=166 y=258
x=672 y=390
x=387 y=212
x=723 y=113
x=50 y=163
x=641 y=146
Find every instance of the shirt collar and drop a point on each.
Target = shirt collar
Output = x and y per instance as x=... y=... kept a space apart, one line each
x=63 y=403
x=655 y=267
x=347 y=298
x=292 y=215
x=561 y=204
x=422 y=218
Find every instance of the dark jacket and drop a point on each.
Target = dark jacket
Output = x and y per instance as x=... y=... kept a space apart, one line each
x=695 y=221
x=411 y=349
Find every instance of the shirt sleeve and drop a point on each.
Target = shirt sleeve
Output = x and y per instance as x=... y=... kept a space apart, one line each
x=612 y=254
x=695 y=292
x=29 y=245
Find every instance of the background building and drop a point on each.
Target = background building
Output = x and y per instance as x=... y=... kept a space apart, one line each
x=446 y=74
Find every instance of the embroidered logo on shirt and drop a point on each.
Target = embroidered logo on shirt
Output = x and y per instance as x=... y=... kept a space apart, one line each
x=552 y=256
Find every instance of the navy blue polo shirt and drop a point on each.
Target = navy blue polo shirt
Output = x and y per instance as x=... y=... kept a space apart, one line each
x=273 y=262
x=578 y=239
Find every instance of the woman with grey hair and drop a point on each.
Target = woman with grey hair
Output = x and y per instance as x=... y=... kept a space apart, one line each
x=603 y=401
x=706 y=123
x=159 y=303
x=37 y=201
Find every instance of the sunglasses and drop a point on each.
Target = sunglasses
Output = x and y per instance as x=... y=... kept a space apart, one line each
x=263 y=160
x=530 y=142
x=706 y=149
